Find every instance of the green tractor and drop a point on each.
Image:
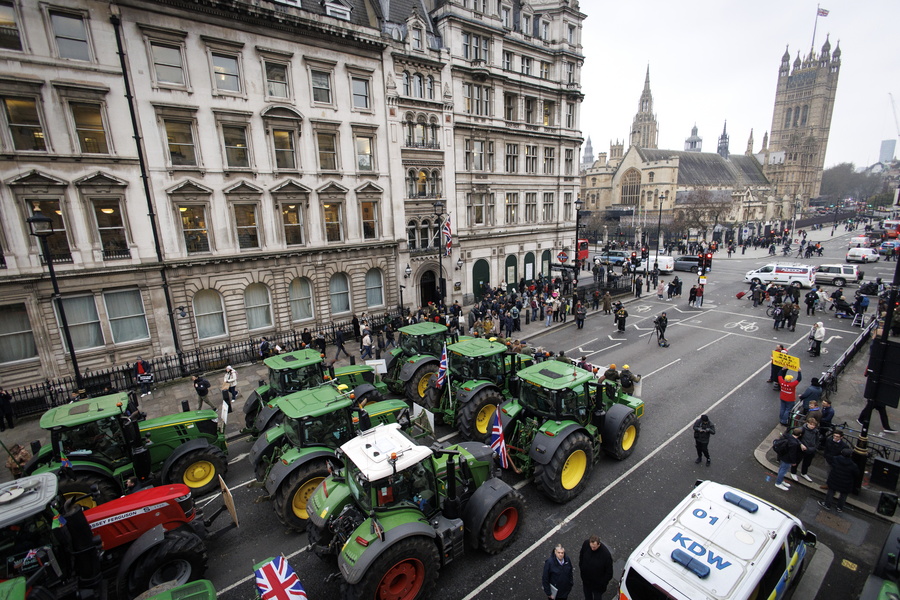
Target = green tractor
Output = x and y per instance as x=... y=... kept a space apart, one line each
x=478 y=376
x=300 y=370
x=560 y=421
x=292 y=458
x=413 y=364
x=398 y=512
x=105 y=441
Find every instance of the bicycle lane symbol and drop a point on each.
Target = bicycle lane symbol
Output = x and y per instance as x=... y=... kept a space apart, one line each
x=748 y=326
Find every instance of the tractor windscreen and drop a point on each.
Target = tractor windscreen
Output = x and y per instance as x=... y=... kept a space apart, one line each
x=331 y=430
x=292 y=380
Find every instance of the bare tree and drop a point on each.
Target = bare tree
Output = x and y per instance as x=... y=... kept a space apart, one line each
x=703 y=210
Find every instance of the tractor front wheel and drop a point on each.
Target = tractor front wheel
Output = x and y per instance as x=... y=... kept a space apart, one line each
x=417 y=386
x=369 y=397
x=405 y=571
x=567 y=473
x=180 y=557
x=319 y=539
x=619 y=438
x=476 y=416
x=80 y=488
x=503 y=523
x=295 y=490
x=199 y=470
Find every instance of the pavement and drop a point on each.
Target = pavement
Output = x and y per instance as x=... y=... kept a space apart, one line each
x=168 y=397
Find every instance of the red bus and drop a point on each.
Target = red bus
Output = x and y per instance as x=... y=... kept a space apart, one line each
x=581 y=253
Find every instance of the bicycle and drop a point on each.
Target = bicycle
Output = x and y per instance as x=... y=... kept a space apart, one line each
x=770 y=311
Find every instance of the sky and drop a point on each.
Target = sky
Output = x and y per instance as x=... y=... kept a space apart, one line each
x=717 y=60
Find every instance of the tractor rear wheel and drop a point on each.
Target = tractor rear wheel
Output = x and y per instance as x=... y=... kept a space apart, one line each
x=180 y=557
x=199 y=470
x=568 y=471
x=369 y=397
x=417 y=386
x=80 y=487
x=503 y=523
x=475 y=418
x=295 y=490
x=620 y=436
x=405 y=571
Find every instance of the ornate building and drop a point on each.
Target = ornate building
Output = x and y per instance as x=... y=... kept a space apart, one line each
x=694 y=143
x=644 y=128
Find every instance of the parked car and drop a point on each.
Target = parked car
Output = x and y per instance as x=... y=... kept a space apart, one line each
x=613 y=257
x=839 y=275
x=888 y=248
x=863 y=255
x=687 y=262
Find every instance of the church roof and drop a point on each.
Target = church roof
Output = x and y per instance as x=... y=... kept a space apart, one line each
x=706 y=168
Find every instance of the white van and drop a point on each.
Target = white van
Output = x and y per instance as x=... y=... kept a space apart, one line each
x=863 y=255
x=719 y=542
x=796 y=274
x=860 y=241
x=666 y=263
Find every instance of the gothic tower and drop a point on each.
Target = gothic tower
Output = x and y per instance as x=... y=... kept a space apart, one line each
x=693 y=143
x=722 y=150
x=588 y=159
x=804 y=100
x=644 y=132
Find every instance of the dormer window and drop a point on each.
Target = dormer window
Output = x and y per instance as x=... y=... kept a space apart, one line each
x=337 y=9
x=417 y=38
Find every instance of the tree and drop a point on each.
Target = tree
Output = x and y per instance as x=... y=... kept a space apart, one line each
x=703 y=210
x=843 y=181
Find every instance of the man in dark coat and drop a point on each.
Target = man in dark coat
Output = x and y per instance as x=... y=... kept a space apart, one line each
x=703 y=428
x=201 y=386
x=6 y=410
x=559 y=574
x=788 y=456
x=596 y=566
x=841 y=480
x=621 y=315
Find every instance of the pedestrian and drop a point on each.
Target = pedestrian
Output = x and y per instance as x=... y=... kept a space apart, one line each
x=366 y=346
x=621 y=315
x=559 y=577
x=699 y=301
x=596 y=566
x=595 y=301
x=611 y=374
x=816 y=337
x=778 y=316
x=306 y=338
x=827 y=415
x=787 y=449
x=793 y=313
x=841 y=480
x=580 y=315
x=809 y=441
x=201 y=386
x=18 y=458
x=231 y=380
x=548 y=312
x=810 y=299
x=638 y=287
x=143 y=373
x=776 y=370
x=265 y=348
x=812 y=393
x=834 y=445
x=339 y=343
x=692 y=295
x=703 y=428
x=627 y=379
x=661 y=322
x=866 y=414
x=389 y=332
x=354 y=322
x=320 y=341
x=660 y=289
x=6 y=410
x=788 y=395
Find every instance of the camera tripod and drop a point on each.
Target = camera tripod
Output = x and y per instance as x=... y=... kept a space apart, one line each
x=661 y=340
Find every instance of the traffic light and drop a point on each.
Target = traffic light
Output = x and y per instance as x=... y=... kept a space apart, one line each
x=708 y=261
x=634 y=259
x=701 y=262
x=645 y=253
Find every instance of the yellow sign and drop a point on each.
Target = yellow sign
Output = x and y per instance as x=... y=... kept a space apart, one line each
x=702 y=280
x=780 y=359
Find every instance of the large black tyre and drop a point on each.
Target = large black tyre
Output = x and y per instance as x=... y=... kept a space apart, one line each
x=319 y=539
x=369 y=397
x=295 y=490
x=568 y=471
x=502 y=524
x=619 y=440
x=418 y=384
x=199 y=470
x=80 y=487
x=475 y=418
x=407 y=570
x=180 y=557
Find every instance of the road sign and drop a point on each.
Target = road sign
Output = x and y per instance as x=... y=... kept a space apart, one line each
x=780 y=359
x=562 y=256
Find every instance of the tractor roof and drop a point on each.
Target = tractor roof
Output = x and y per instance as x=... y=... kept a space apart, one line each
x=477 y=347
x=555 y=375
x=294 y=360
x=313 y=402
x=371 y=451
x=84 y=411
x=424 y=328
x=25 y=497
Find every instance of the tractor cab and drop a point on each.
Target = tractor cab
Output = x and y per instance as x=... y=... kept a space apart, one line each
x=422 y=338
x=556 y=390
x=295 y=371
x=318 y=417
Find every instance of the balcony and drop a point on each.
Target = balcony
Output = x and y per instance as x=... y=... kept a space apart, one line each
x=116 y=254
x=427 y=145
x=61 y=257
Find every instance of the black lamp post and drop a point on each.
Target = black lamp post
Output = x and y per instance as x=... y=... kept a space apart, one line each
x=578 y=205
x=662 y=197
x=438 y=212
x=42 y=227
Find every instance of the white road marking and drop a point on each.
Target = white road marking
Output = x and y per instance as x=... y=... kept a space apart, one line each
x=447 y=437
x=579 y=348
x=660 y=369
x=713 y=342
x=238 y=457
x=834 y=337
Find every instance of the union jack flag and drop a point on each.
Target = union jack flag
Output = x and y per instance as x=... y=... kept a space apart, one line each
x=276 y=580
x=442 y=370
x=498 y=442
x=448 y=236
x=822 y=12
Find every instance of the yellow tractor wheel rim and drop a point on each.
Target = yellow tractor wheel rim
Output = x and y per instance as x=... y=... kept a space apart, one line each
x=484 y=417
x=86 y=501
x=298 y=503
x=424 y=382
x=629 y=437
x=573 y=470
x=199 y=474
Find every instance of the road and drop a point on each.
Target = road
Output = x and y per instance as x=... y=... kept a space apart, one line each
x=717 y=364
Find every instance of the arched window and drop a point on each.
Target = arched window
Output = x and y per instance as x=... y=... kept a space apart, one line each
x=374 y=292
x=429 y=87
x=421 y=183
x=796 y=116
x=412 y=179
x=419 y=135
x=209 y=314
x=300 y=295
x=258 y=306
x=411 y=235
x=436 y=235
x=418 y=88
x=787 y=119
x=433 y=132
x=339 y=288
x=405 y=83
x=804 y=115
x=434 y=184
x=631 y=187
x=425 y=234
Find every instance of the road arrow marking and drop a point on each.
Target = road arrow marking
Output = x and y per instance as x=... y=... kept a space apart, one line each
x=834 y=337
x=643 y=308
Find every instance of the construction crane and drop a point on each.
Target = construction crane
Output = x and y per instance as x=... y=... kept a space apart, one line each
x=894 y=107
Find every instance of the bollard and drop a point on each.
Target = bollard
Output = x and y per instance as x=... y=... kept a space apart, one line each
x=352 y=361
x=185 y=406
x=887 y=504
x=377 y=353
x=527 y=317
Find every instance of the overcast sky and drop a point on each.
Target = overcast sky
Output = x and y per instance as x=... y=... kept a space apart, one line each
x=712 y=60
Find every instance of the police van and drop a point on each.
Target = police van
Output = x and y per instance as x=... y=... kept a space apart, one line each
x=796 y=274
x=719 y=542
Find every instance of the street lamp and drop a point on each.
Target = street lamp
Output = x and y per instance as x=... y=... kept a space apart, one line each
x=438 y=212
x=578 y=205
x=42 y=227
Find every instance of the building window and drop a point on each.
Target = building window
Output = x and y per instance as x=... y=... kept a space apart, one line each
x=300 y=296
x=89 y=128
x=570 y=115
x=531 y=207
x=209 y=314
x=111 y=228
x=71 y=36
x=570 y=161
x=25 y=124
x=570 y=35
x=526 y=65
x=510 y=104
x=257 y=306
x=651 y=176
x=168 y=63
x=125 y=311
x=245 y=224
x=570 y=72
x=227 y=73
x=512 y=209
x=545 y=70
x=285 y=154
x=567 y=206
x=631 y=187
x=475 y=47
x=418 y=85
x=16 y=336
x=327 y=143
x=193 y=225
x=549 y=113
x=412 y=235
x=374 y=291
x=512 y=158
x=360 y=92
x=507 y=61
x=84 y=322
x=333 y=224
x=531 y=159
x=369 y=212
x=506 y=17
x=57 y=245
x=476 y=209
x=530 y=109
x=477 y=99
x=474 y=155
x=9 y=34
x=339 y=289
x=365 y=158
x=321 y=86
x=547 y=215
x=545 y=31
x=425 y=236
x=417 y=38
x=429 y=87
x=292 y=220
x=180 y=138
x=549 y=161
x=237 y=154
x=526 y=25
x=277 y=80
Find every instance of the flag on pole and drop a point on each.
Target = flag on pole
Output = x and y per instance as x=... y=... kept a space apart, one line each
x=448 y=236
x=498 y=442
x=276 y=580
x=442 y=369
x=822 y=12
x=64 y=461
